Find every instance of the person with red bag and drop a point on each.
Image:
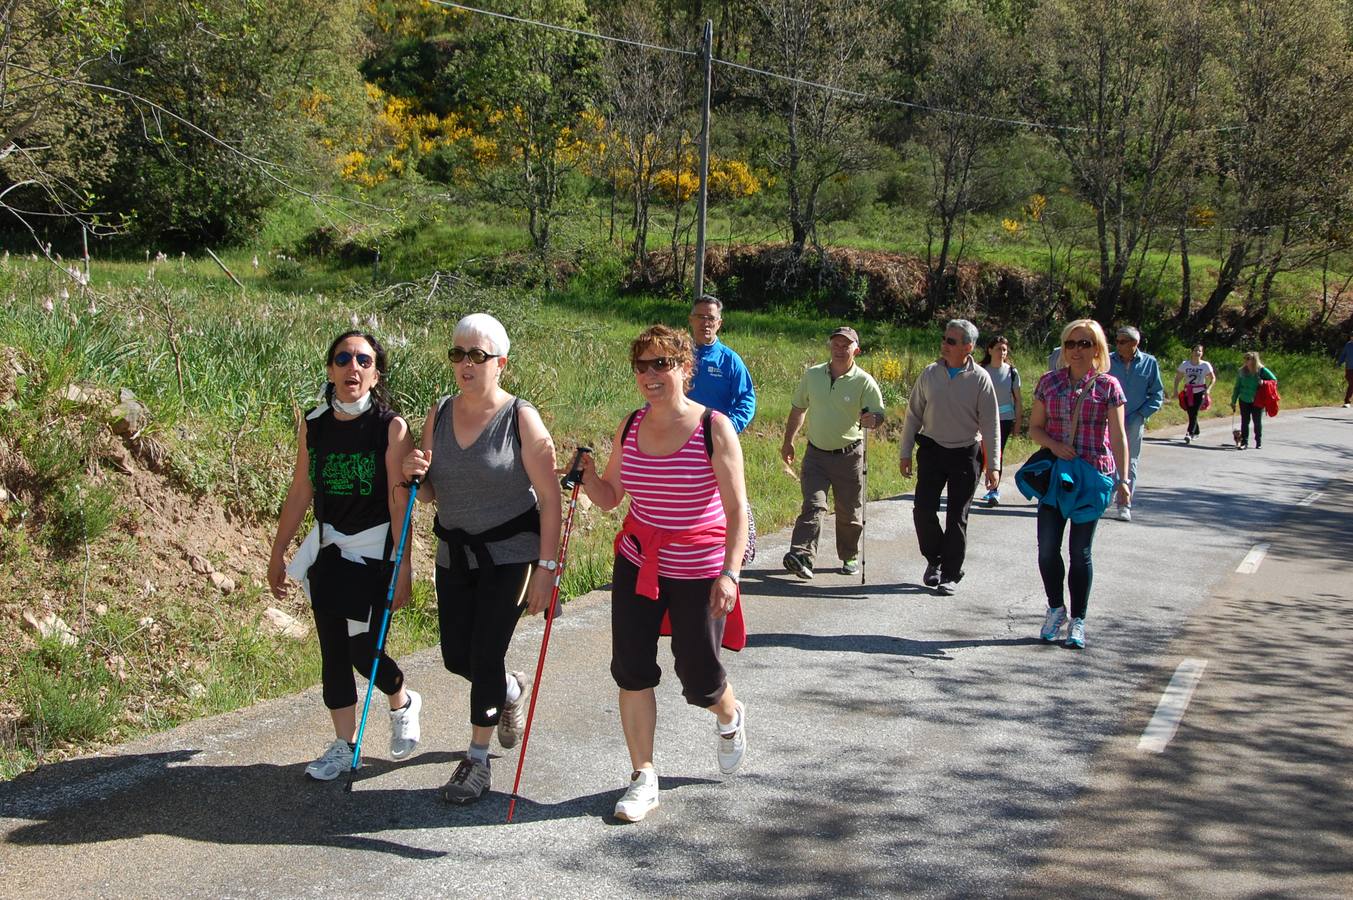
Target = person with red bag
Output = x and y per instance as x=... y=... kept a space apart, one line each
x=678 y=557
x=1198 y=377
x=1256 y=390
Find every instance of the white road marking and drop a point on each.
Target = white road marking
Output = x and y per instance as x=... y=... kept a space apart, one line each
x=1250 y=564
x=1170 y=710
x=1311 y=499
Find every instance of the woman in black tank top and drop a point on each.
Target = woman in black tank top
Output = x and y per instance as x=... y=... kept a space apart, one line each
x=348 y=456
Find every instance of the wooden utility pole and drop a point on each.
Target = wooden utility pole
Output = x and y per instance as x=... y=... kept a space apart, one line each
x=702 y=203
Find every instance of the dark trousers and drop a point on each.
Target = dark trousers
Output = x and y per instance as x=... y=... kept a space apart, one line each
x=339 y=655
x=1250 y=411
x=1194 y=407
x=954 y=471
x=1348 y=394
x=696 y=635
x=1051 y=527
x=476 y=617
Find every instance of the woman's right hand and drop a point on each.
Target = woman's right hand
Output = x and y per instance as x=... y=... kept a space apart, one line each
x=416 y=464
x=1062 y=450
x=277 y=578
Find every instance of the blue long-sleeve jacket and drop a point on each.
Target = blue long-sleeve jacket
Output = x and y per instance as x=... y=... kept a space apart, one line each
x=1345 y=356
x=1080 y=492
x=722 y=382
x=1141 y=383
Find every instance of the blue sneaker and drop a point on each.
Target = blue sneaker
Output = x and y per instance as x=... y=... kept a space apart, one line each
x=1052 y=624
x=1075 y=635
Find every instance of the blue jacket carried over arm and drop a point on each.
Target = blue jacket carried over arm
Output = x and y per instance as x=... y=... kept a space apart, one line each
x=1141 y=383
x=722 y=382
x=1080 y=492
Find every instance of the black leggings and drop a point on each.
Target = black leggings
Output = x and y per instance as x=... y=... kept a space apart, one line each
x=1194 y=407
x=1051 y=526
x=1250 y=411
x=476 y=617
x=340 y=654
x=696 y=635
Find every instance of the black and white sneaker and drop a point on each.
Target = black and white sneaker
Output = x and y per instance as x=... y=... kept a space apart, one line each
x=468 y=784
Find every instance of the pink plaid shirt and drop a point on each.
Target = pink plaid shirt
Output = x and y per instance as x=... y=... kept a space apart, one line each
x=1092 y=435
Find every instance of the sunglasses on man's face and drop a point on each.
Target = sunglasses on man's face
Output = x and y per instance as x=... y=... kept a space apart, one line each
x=657 y=364
x=344 y=357
x=953 y=341
x=474 y=354
x=703 y=317
x=1077 y=345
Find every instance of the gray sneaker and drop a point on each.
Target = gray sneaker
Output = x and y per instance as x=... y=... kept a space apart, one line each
x=850 y=567
x=334 y=761
x=512 y=722
x=469 y=783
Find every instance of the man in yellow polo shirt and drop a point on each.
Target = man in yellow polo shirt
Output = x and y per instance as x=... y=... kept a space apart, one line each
x=839 y=400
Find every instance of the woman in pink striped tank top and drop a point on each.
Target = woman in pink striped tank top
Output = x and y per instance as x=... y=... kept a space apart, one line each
x=678 y=556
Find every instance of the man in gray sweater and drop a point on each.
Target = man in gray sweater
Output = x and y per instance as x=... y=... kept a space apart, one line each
x=951 y=416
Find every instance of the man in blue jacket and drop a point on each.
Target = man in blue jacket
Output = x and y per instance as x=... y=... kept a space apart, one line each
x=1139 y=374
x=721 y=380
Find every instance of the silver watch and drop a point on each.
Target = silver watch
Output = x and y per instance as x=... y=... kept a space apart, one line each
x=732 y=576
x=549 y=565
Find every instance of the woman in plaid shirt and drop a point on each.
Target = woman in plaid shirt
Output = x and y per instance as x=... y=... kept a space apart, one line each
x=1100 y=440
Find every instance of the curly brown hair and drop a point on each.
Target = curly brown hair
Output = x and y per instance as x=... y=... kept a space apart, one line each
x=666 y=341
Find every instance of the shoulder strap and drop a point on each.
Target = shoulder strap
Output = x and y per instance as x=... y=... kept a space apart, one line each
x=629 y=423
x=705 y=419
x=516 y=426
x=1076 y=410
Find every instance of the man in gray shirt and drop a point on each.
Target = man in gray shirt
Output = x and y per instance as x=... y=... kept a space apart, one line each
x=951 y=415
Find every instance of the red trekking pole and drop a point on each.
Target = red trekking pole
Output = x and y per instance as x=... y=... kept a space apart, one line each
x=573 y=480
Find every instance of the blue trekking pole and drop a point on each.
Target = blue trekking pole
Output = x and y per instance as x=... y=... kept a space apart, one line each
x=381 y=635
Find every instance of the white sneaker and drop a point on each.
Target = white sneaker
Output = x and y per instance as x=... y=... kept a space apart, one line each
x=404 y=730
x=732 y=747
x=1125 y=514
x=334 y=761
x=640 y=798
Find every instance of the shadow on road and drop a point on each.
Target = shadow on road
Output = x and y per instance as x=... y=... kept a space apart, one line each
x=261 y=804
x=879 y=643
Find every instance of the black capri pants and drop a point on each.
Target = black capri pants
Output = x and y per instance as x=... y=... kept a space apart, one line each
x=340 y=654
x=696 y=635
x=477 y=615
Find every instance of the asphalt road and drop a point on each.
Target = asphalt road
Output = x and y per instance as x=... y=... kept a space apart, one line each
x=899 y=742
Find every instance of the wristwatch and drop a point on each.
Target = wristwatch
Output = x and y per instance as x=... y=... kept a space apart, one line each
x=549 y=565
x=732 y=576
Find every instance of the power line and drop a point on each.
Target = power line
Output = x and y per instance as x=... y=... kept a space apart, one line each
x=562 y=28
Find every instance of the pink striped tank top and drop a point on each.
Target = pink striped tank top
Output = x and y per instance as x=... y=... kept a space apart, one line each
x=677 y=492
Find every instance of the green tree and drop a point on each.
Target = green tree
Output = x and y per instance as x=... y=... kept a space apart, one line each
x=1121 y=82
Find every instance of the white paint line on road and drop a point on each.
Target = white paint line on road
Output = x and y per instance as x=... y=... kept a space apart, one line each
x=1311 y=499
x=1250 y=564
x=1170 y=710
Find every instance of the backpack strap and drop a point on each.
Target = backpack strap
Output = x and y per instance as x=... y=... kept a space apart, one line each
x=629 y=423
x=709 y=438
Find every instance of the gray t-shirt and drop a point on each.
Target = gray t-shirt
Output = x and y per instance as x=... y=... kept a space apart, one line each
x=1005 y=379
x=483 y=485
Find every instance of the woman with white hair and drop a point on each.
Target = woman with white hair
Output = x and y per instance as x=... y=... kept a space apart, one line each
x=488 y=463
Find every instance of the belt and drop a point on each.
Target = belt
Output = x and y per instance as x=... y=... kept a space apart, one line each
x=846 y=449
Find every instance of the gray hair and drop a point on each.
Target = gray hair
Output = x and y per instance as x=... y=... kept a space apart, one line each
x=969 y=329
x=482 y=326
x=708 y=298
x=1130 y=332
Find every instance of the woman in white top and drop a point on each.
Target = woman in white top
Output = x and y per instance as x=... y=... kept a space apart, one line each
x=1198 y=378
x=1005 y=378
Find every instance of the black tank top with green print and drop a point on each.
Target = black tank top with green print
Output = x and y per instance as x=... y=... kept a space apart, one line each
x=347 y=467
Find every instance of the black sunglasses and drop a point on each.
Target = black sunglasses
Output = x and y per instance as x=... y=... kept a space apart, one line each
x=1077 y=345
x=343 y=357
x=657 y=364
x=953 y=342
x=476 y=356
